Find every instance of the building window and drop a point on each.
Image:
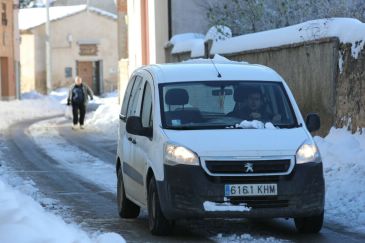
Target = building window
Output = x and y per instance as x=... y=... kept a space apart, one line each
x=4 y=38
x=4 y=20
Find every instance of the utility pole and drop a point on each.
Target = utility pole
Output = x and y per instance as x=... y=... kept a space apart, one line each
x=48 y=51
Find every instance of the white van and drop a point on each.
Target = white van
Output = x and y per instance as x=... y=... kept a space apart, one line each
x=211 y=139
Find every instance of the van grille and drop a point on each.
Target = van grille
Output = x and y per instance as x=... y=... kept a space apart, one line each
x=247 y=167
x=244 y=179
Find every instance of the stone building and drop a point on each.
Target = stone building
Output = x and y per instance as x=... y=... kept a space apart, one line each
x=9 y=50
x=83 y=42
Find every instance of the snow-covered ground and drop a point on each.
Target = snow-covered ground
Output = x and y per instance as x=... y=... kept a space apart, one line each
x=21 y=204
x=89 y=167
x=343 y=157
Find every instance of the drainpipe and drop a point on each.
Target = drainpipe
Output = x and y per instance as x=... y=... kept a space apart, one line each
x=48 y=51
x=169 y=9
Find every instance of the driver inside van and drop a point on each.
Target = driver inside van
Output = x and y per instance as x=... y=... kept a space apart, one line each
x=253 y=107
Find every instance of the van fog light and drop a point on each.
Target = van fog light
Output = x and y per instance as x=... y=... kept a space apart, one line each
x=308 y=152
x=175 y=154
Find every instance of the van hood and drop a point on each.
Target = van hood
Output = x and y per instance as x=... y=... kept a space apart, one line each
x=240 y=142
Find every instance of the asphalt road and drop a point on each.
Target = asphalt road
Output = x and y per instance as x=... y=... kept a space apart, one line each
x=94 y=209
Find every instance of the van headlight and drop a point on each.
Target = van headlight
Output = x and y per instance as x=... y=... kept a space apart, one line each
x=176 y=154
x=308 y=152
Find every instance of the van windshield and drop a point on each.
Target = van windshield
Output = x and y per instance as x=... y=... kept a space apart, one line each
x=224 y=104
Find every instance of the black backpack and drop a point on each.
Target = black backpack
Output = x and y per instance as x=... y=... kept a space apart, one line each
x=77 y=95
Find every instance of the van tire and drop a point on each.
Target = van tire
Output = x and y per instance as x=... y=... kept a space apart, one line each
x=312 y=224
x=157 y=222
x=126 y=208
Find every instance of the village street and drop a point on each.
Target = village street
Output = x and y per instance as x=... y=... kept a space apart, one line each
x=89 y=204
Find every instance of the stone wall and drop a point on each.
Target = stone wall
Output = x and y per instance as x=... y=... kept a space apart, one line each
x=350 y=98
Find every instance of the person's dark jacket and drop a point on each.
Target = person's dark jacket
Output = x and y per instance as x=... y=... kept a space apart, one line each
x=86 y=90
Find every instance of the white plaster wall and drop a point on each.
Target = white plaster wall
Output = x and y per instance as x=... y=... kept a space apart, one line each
x=27 y=62
x=134 y=35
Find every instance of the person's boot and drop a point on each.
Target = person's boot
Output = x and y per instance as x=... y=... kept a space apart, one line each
x=74 y=126
x=82 y=127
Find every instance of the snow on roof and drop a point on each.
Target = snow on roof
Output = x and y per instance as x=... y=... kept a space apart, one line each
x=33 y=17
x=103 y=12
x=217 y=59
x=218 y=32
x=187 y=42
x=346 y=29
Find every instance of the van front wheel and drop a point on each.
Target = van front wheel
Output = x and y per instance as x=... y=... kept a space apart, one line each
x=158 y=224
x=126 y=208
x=312 y=224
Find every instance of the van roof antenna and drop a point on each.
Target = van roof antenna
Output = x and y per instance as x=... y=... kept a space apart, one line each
x=219 y=75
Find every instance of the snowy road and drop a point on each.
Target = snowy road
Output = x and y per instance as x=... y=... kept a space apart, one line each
x=91 y=205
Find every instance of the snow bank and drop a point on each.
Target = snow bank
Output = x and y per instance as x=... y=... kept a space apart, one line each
x=33 y=106
x=343 y=157
x=96 y=171
x=105 y=119
x=346 y=29
x=20 y=213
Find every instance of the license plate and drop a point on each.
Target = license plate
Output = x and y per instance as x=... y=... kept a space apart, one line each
x=251 y=190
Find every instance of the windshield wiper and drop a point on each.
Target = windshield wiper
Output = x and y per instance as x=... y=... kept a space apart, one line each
x=288 y=126
x=196 y=127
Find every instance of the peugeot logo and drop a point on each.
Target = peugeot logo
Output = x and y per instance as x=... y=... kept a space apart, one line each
x=249 y=167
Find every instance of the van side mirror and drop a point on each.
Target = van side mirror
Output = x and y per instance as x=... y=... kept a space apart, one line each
x=134 y=126
x=313 y=122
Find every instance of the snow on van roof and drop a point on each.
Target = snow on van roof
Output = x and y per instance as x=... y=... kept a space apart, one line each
x=348 y=30
x=206 y=71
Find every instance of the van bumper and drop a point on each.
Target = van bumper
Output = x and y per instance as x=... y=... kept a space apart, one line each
x=186 y=188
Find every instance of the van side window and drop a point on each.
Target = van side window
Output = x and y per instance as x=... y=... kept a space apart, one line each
x=133 y=102
x=127 y=97
x=147 y=106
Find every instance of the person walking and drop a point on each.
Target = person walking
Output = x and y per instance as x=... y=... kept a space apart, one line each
x=78 y=97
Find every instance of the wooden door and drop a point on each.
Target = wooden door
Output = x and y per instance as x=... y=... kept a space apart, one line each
x=4 y=76
x=85 y=71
